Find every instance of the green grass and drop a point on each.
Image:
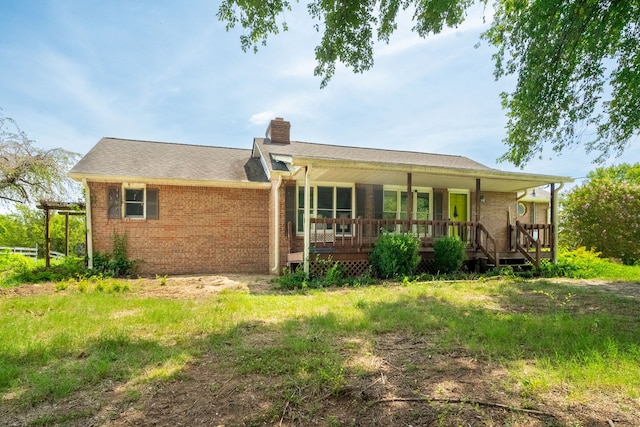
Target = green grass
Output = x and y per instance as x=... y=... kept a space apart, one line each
x=546 y=336
x=582 y=263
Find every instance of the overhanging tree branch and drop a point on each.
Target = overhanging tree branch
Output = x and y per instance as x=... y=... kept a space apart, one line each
x=28 y=173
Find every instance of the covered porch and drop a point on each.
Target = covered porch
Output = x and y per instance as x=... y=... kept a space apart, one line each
x=479 y=206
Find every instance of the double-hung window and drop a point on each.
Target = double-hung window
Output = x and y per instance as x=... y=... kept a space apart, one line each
x=327 y=201
x=134 y=201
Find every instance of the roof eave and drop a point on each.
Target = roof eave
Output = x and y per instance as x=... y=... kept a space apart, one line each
x=173 y=181
x=440 y=170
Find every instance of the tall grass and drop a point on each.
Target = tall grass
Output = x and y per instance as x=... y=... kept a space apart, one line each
x=581 y=263
x=547 y=336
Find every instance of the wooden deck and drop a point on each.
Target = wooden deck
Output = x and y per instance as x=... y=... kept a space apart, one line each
x=350 y=241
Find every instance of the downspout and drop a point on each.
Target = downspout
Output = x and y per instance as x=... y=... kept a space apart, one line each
x=307 y=219
x=554 y=220
x=87 y=221
x=277 y=226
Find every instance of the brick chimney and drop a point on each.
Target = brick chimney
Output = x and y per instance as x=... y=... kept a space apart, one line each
x=279 y=131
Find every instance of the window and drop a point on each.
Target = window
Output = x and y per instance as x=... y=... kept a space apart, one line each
x=522 y=209
x=132 y=201
x=326 y=201
x=395 y=206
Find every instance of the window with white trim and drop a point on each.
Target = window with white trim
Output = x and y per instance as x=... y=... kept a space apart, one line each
x=326 y=201
x=134 y=201
x=395 y=205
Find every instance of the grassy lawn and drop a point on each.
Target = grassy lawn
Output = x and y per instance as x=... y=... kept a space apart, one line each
x=432 y=353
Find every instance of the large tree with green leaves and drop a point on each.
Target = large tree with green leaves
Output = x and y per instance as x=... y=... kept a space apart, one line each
x=602 y=213
x=27 y=172
x=577 y=62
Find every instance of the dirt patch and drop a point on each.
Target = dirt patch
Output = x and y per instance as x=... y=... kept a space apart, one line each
x=627 y=289
x=200 y=286
x=397 y=380
x=169 y=287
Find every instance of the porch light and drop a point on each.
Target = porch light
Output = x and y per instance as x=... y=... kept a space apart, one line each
x=482 y=198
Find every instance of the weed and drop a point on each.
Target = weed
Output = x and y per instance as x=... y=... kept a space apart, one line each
x=561 y=303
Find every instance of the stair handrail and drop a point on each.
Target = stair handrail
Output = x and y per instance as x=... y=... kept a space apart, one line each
x=529 y=242
x=484 y=240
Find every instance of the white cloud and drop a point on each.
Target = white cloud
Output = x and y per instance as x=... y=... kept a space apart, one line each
x=260 y=119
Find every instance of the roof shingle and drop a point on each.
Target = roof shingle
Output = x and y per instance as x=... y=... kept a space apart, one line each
x=357 y=154
x=161 y=160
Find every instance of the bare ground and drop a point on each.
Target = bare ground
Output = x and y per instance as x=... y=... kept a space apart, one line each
x=404 y=385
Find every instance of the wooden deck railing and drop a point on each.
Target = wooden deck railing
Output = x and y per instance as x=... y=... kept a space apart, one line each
x=529 y=239
x=359 y=233
x=487 y=244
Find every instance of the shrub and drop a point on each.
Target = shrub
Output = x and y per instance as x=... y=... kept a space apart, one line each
x=293 y=279
x=116 y=263
x=448 y=254
x=17 y=269
x=395 y=255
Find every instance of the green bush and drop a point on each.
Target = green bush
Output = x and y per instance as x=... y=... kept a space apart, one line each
x=581 y=263
x=448 y=255
x=293 y=279
x=395 y=255
x=17 y=269
x=116 y=263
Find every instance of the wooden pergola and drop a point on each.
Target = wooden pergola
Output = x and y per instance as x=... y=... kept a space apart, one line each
x=64 y=208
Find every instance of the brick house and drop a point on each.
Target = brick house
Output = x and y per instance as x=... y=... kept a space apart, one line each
x=189 y=209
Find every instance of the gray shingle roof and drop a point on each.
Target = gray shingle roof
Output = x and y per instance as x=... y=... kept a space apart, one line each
x=113 y=157
x=337 y=152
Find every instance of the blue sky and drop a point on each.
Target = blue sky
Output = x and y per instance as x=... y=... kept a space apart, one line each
x=75 y=71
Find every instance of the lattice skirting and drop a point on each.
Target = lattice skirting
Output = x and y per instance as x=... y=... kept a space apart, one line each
x=356 y=265
x=353 y=267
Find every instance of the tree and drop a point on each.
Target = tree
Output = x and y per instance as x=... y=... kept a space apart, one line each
x=602 y=213
x=578 y=68
x=28 y=173
x=24 y=226
x=577 y=62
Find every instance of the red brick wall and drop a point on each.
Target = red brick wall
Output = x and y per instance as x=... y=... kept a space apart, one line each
x=200 y=230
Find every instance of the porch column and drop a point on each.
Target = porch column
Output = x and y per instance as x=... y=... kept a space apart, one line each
x=478 y=200
x=307 y=219
x=476 y=243
x=409 y=198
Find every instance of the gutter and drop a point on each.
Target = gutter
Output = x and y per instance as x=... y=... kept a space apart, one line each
x=277 y=226
x=89 y=227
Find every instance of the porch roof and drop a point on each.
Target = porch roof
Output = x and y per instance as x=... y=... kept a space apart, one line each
x=330 y=163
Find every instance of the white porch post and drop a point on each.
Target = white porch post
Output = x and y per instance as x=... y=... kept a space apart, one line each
x=307 y=219
x=554 y=219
